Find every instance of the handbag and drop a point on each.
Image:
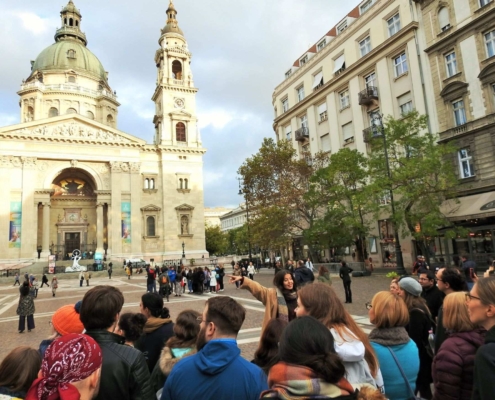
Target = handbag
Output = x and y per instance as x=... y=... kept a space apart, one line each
x=411 y=392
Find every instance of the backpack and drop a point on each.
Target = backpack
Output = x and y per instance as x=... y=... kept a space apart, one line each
x=164 y=279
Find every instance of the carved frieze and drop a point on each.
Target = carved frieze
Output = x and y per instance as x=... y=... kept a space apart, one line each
x=29 y=162
x=135 y=167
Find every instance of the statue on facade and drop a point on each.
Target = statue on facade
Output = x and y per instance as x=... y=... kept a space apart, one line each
x=184 y=225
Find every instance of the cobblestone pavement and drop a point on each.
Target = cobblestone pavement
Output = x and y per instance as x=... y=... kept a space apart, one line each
x=69 y=292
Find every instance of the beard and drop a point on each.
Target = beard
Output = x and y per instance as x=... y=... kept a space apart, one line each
x=201 y=339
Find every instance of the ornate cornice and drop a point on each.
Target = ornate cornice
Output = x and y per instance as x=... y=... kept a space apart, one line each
x=184 y=207
x=151 y=207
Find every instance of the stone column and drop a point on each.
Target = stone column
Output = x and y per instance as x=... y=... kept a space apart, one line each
x=99 y=228
x=109 y=230
x=5 y=169
x=115 y=228
x=28 y=238
x=136 y=235
x=45 y=243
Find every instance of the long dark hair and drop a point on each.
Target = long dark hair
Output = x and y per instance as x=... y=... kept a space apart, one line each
x=278 y=280
x=24 y=289
x=309 y=343
x=267 y=353
x=19 y=369
x=186 y=330
x=154 y=303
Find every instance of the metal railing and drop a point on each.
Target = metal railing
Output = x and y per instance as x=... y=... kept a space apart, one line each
x=367 y=95
x=302 y=134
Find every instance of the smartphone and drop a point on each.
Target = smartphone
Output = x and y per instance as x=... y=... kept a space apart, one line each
x=471 y=272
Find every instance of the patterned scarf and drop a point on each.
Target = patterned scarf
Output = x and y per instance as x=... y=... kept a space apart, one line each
x=283 y=310
x=289 y=381
x=70 y=358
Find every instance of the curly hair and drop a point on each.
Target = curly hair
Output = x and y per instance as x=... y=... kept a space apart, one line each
x=132 y=325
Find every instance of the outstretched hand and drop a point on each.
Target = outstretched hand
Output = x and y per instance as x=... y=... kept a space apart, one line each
x=233 y=279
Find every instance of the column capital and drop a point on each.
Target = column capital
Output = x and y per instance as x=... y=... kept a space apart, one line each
x=29 y=162
x=115 y=166
x=46 y=204
x=135 y=167
x=100 y=204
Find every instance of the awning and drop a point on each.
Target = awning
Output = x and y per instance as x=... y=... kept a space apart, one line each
x=468 y=207
x=339 y=64
x=318 y=79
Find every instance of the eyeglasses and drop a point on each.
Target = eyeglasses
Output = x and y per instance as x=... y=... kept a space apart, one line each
x=200 y=319
x=368 y=305
x=470 y=297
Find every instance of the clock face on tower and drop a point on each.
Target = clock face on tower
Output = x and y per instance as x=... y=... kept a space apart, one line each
x=178 y=103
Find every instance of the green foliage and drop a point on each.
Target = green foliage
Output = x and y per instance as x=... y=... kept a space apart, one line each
x=237 y=239
x=392 y=275
x=216 y=240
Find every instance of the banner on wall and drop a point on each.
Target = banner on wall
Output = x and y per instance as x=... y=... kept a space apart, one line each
x=126 y=222
x=51 y=264
x=15 y=224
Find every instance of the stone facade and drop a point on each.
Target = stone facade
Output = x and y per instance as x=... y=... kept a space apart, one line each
x=72 y=180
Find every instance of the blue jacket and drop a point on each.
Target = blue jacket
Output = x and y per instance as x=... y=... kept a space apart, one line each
x=217 y=371
x=172 y=274
x=407 y=354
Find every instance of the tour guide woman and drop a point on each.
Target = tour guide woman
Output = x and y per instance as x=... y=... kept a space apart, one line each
x=279 y=301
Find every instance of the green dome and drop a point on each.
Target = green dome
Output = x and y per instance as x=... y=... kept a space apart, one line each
x=56 y=57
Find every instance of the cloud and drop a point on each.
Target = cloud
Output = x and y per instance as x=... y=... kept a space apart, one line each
x=33 y=23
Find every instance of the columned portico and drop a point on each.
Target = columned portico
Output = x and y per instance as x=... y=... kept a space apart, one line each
x=115 y=227
x=99 y=228
x=45 y=246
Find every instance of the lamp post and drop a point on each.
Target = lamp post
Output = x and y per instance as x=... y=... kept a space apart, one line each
x=377 y=128
x=183 y=252
x=243 y=191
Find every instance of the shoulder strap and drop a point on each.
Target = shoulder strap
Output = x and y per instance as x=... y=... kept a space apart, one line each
x=402 y=372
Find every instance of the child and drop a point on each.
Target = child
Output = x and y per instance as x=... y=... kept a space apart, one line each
x=213 y=282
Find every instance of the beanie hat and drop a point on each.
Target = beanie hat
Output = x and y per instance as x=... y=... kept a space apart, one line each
x=411 y=286
x=66 y=319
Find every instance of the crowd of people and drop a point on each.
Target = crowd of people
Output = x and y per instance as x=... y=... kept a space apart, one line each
x=429 y=331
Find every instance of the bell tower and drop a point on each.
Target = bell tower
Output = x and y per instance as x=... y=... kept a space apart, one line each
x=175 y=95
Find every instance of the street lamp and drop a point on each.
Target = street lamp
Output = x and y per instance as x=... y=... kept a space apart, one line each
x=244 y=192
x=377 y=129
x=183 y=253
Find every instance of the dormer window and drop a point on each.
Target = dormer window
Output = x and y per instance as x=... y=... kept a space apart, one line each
x=303 y=60
x=71 y=54
x=321 y=45
x=365 y=6
x=288 y=73
x=342 y=27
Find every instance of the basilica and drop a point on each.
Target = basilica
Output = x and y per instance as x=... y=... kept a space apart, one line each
x=72 y=180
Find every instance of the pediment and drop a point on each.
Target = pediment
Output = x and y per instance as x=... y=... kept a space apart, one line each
x=454 y=90
x=181 y=113
x=487 y=73
x=184 y=207
x=151 y=207
x=70 y=128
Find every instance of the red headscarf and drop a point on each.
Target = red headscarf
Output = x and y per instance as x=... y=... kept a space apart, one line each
x=69 y=358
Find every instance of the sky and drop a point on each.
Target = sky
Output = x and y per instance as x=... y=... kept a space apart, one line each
x=241 y=50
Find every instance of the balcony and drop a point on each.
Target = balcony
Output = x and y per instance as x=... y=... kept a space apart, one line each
x=369 y=135
x=302 y=134
x=368 y=95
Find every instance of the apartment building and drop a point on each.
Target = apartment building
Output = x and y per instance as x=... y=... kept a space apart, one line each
x=372 y=60
x=460 y=45
x=234 y=219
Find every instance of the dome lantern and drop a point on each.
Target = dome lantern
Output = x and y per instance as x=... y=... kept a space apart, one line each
x=172 y=24
x=71 y=24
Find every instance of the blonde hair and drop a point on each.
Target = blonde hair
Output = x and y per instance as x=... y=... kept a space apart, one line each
x=486 y=290
x=455 y=313
x=390 y=310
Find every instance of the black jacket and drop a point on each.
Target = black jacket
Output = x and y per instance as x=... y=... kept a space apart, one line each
x=303 y=275
x=484 y=368
x=344 y=273
x=151 y=343
x=434 y=298
x=124 y=373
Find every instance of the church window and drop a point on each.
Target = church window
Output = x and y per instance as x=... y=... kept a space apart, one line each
x=71 y=111
x=100 y=87
x=77 y=22
x=180 y=132
x=152 y=183
x=65 y=21
x=109 y=120
x=150 y=226
x=181 y=183
x=90 y=115
x=52 y=112
x=146 y=183
x=72 y=79
x=71 y=22
x=71 y=54
x=177 y=69
x=185 y=184
x=30 y=114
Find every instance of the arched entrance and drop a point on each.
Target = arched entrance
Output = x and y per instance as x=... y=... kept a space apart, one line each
x=73 y=214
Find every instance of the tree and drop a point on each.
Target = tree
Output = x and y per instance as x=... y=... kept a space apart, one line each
x=343 y=192
x=237 y=239
x=275 y=182
x=422 y=176
x=216 y=240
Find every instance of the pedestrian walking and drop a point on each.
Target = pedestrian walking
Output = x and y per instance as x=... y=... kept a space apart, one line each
x=44 y=281
x=25 y=309
x=309 y=265
x=81 y=278
x=251 y=271
x=110 y=271
x=221 y=274
x=36 y=287
x=344 y=274
x=128 y=272
x=87 y=277
x=54 y=285
x=16 y=279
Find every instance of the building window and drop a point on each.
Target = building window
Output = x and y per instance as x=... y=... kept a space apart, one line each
x=339 y=64
x=52 y=112
x=321 y=45
x=348 y=133
x=285 y=104
x=146 y=183
x=405 y=104
x=386 y=229
x=400 y=65
x=318 y=80
x=459 y=112
x=385 y=198
x=451 y=64
x=72 y=79
x=304 y=121
x=466 y=163
x=90 y=115
x=342 y=27
x=177 y=70
x=393 y=25
x=109 y=120
x=484 y=2
x=288 y=73
x=303 y=60
x=344 y=99
x=490 y=43
x=150 y=226
x=370 y=80
x=325 y=143
x=71 y=111
x=322 y=112
x=152 y=183
x=365 y=6
x=300 y=93
x=288 y=132
x=365 y=46
x=444 y=19
x=180 y=132
x=71 y=54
